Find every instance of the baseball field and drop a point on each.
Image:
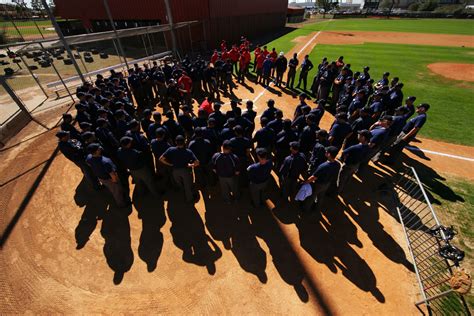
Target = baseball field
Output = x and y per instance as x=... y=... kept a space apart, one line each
x=353 y=260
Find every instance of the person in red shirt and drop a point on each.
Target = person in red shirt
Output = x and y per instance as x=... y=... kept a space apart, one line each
x=260 y=60
x=273 y=56
x=243 y=65
x=234 y=56
x=223 y=46
x=225 y=55
x=265 y=52
x=256 y=52
x=206 y=105
x=185 y=86
x=215 y=56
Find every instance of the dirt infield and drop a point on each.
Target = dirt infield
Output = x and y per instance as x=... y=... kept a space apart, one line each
x=464 y=72
x=356 y=37
x=351 y=260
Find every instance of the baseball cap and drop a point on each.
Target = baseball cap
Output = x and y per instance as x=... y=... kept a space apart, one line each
x=365 y=133
x=426 y=106
x=332 y=150
x=92 y=148
x=124 y=141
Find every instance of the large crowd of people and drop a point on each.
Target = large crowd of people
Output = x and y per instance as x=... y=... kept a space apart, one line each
x=143 y=125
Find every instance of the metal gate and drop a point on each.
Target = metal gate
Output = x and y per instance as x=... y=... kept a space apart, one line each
x=434 y=258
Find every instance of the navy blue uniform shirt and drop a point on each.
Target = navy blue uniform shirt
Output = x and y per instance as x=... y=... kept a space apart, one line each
x=264 y=137
x=355 y=154
x=159 y=147
x=202 y=149
x=130 y=158
x=293 y=166
x=225 y=165
x=378 y=135
x=72 y=150
x=276 y=125
x=259 y=173
x=326 y=172
x=179 y=157
x=101 y=166
x=240 y=145
x=339 y=131
x=418 y=121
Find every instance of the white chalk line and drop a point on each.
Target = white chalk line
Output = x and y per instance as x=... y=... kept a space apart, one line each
x=439 y=153
x=309 y=42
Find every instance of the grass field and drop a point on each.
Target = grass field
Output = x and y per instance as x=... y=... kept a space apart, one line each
x=437 y=26
x=451 y=101
x=449 y=117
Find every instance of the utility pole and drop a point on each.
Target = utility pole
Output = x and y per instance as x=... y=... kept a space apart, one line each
x=62 y=39
x=171 y=23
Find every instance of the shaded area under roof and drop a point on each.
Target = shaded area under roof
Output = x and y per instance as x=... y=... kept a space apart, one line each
x=95 y=37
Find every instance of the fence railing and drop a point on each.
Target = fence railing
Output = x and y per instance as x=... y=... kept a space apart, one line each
x=434 y=258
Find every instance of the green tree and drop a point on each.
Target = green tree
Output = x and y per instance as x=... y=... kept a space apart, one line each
x=428 y=5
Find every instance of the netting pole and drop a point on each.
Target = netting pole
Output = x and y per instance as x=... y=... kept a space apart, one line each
x=62 y=39
x=107 y=10
x=39 y=30
x=33 y=75
x=171 y=23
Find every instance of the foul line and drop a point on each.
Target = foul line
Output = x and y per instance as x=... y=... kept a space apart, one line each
x=439 y=154
x=309 y=42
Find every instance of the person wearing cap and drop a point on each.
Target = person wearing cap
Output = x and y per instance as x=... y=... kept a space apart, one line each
x=227 y=82
x=395 y=98
x=158 y=146
x=364 y=76
x=338 y=85
x=364 y=121
x=201 y=119
x=283 y=141
x=121 y=123
x=228 y=130
x=146 y=121
x=281 y=64
x=300 y=122
x=321 y=179
x=339 y=131
x=73 y=150
x=306 y=67
x=356 y=105
x=277 y=124
x=318 y=111
x=244 y=63
x=340 y=62
x=259 y=67
x=218 y=116
x=409 y=105
x=383 y=82
x=292 y=65
x=318 y=153
x=140 y=143
x=379 y=132
x=269 y=112
x=376 y=105
x=104 y=169
x=302 y=99
x=182 y=161
x=135 y=87
x=408 y=133
x=398 y=122
x=173 y=128
x=133 y=160
x=308 y=135
x=203 y=151
x=67 y=125
x=259 y=173
x=185 y=120
x=173 y=95
x=326 y=80
x=265 y=136
x=290 y=171
x=352 y=157
x=82 y=115
x=227 y=167
x=106 y=136
x=267 y=69
x=316 y=79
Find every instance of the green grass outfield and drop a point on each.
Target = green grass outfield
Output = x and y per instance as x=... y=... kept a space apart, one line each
x=437 y=26
x=451 y=100
x=450 y=117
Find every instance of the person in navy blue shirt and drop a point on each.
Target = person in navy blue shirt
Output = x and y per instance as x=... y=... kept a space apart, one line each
x=172 y=127
x=277 y=124
x=377 y=106
x=409 y=106
x=356 y=105
x=226 y=165
x=158 y=146
x=185 y=120
x=409 y=132
x=140 y=143
x=67 y=125
x=339 y=131
x=352 y=157
x=308 y=135
x=259 y=173
x=241 y=147
x=318 y=153
x=218 y=116
x=267 y=68
x=318 y=111
x=306 y=66
x=106 y=137
x=283 y=140
x=182 y=160
x=290 y=171
x=298 y=110
x=300 y=122
x=321 y=180
x=264 y=137
x=228 y=131
x=364 y=121
x=151 y=131
x=270 y=111
x=203 y=150
x=104 y=169
x=132 y=160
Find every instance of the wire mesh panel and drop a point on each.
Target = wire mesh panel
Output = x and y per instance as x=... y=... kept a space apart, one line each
x=433 y=256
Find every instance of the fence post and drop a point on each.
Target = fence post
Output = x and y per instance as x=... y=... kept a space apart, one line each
x=171 y=23
x=62 y=39
x=33 y=75
x=107 y=9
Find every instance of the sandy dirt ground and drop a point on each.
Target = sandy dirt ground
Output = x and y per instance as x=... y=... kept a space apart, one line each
x=359 y=37
x=351 y=260
x=454 y=71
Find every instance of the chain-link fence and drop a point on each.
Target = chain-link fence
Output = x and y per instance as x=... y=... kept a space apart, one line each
x=44 y=58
